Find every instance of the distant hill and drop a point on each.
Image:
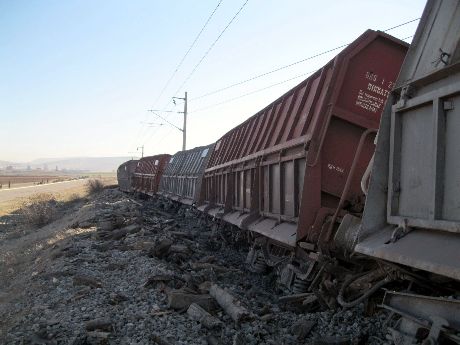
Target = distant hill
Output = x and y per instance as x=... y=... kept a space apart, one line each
x=92 y=164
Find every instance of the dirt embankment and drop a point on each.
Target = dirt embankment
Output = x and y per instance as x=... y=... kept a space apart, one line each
x=117 y=270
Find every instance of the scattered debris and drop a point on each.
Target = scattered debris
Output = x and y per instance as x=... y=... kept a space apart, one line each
x=195 y=312
x=178 y=299
x=229 y=303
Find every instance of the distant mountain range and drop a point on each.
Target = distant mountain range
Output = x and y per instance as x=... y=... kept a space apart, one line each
x=91 y=164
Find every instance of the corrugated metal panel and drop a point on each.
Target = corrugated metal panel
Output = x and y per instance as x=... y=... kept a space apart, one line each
x=183 y=176
x=289 y=162
x=125 y=174
x=415 y=182
x=148 y=172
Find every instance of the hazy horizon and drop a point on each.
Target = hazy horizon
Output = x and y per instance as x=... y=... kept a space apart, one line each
x=62 y=158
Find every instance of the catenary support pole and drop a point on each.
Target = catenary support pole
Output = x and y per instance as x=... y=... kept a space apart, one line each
x=184 y=129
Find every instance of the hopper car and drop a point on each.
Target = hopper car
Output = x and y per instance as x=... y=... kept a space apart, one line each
x=182 y=178
x=148 y=172
x=348 y=185
x=125 y=175
x=411 y=220
x=292 y=172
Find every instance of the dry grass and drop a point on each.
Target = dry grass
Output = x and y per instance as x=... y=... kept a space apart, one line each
x=74 y=197
x=69 y=195
x=94 y=186
x=39 y=209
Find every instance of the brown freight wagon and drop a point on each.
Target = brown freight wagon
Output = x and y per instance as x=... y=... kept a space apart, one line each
x=183 y=176
x=125 y=175
x=285 y=171
x=146 y=177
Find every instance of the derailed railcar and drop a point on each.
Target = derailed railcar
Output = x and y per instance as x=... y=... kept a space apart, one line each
x=295 y=167
x=412 y=212
x=183 y=175
x=125 y=175
x=148 y=172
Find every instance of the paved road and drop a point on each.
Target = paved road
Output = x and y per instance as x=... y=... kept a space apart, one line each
x=20 y=192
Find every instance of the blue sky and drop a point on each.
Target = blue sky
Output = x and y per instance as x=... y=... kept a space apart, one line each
x=77 y=77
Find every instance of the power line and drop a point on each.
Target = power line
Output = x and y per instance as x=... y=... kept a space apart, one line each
x=188 y=51
x=146 y=137
x=290 y=65
x=270 y=72
x=406 y=38
x=210 y=48
x=263 y=74
x=179 y=66
x=255 y=91
x=267 y=87
x=402 y=24
x=161 y=117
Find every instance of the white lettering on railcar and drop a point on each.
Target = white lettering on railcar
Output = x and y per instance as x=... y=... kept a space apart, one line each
x=369 y=102
x=374 y=96
x=378 y=90
x=335 y=168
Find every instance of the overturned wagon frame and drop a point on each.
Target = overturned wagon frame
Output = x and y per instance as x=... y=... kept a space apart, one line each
x=288 y=169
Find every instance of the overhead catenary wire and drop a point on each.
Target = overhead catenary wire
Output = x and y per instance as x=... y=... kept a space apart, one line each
x=264 y=88
x=254 y=91
x=179 y=65
x=210 y=48
x=289 y=65
x=402 y=24
x=161 y=117
x=266 y=73
x=140 y=132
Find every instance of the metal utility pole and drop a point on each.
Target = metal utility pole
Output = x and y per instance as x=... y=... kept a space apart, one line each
x=184 y=128
x=142 y=152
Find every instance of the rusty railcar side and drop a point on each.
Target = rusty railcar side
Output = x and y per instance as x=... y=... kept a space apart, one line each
x=125 y=175
x=147 y=175
x=283 y=171
x=183 y=176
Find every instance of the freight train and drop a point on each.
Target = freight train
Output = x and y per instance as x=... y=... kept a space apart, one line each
x=349 y=182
